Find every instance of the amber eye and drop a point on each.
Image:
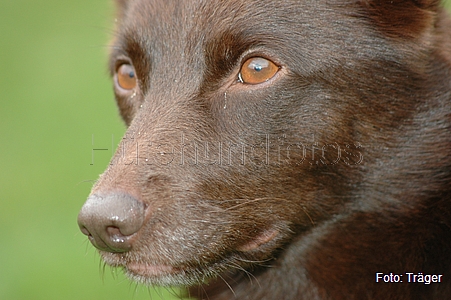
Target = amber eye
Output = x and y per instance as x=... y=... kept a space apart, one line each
x=257 y=70
x=126 y=77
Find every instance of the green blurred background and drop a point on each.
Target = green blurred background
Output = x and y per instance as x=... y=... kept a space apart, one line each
x=55 y=95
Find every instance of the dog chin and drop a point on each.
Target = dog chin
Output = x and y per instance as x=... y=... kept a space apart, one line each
x=166 y=276
x=160 y=274
x=156 y=275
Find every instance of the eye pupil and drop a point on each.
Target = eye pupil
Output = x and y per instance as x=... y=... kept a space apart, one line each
x=126 y=78
x=257 y=70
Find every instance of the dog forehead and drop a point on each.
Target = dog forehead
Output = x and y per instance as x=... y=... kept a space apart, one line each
x=166 y=9
x=173 y=16
x=187 y=27
x=309 y=36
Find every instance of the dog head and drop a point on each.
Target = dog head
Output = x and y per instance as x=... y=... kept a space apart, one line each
x=249 y=122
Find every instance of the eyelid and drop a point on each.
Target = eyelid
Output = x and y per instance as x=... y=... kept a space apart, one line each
x=263 y=53
x=119 y=61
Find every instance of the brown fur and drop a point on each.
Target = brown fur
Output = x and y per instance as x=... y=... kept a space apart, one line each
x=237 y=197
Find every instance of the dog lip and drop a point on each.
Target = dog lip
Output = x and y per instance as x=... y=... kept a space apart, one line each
x=150 y=270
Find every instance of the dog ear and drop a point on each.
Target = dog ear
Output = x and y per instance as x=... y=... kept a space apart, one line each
x=401 y=18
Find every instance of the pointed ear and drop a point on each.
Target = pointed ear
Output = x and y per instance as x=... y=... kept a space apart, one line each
x=401 y=18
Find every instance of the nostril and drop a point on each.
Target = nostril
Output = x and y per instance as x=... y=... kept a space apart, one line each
x=91 y=238
x=85 y=231
x=111 y=221
x=116 y=235
x=113 y=231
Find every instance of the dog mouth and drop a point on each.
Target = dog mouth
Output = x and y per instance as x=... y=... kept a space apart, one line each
x=138 y=267
x=164 y=275
x=149 y=271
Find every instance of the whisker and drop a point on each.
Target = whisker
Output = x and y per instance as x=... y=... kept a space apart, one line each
x=308 y=215
x=93 y=181
x=267 y=198
x=236 y=266
x=258 y=262
x=225 y=281
x=245 y=203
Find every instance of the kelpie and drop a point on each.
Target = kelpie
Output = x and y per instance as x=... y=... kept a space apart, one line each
x=292 y=149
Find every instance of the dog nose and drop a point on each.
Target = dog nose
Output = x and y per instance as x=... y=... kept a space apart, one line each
x=111 y=221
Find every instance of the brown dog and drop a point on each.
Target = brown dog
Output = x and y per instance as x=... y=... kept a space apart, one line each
x=280 y=149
